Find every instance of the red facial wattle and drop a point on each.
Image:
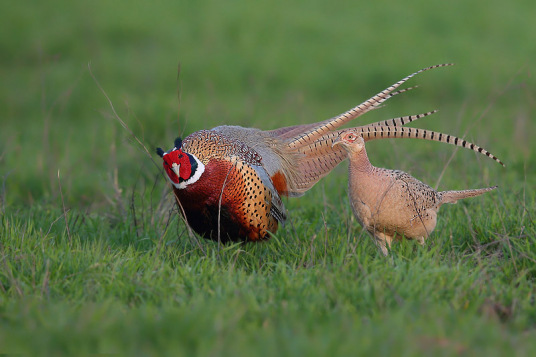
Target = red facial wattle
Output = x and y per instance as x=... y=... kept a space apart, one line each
x=180 y=158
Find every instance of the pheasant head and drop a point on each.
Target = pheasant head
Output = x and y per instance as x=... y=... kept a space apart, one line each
x=351 y=141
x=182 y=169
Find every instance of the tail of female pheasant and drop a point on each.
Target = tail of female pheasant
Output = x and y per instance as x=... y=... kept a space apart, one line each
x=454 y=196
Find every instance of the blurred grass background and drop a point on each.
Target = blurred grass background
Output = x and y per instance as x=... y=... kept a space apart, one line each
x=265 y=65
x=120 y=279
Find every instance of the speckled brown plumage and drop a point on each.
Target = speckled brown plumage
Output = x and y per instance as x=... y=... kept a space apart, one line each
x=389 y=203
x=233 y=192
x=249 y=207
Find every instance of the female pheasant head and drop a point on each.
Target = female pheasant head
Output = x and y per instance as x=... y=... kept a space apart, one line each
x=182 y=169
x=351 y=141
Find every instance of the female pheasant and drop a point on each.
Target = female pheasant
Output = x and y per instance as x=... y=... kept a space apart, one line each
x=228 y=181
x=389 y=203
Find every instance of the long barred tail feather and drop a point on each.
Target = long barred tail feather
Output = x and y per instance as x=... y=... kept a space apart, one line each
x=392 y=132
x=319 y=157
x=401 y=120
x=290 y=132
x=374 y=102
x=323 y=145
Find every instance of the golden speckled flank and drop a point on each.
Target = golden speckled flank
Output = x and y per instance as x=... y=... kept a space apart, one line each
x=254 y=201
x=390 y=203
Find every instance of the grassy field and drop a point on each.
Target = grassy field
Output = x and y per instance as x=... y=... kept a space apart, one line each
x=93 y=256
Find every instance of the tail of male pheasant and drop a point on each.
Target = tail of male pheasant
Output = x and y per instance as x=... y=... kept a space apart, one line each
x=454 y=196
x=320 y=157
x=310 y=145
x=371 y=132
x=306 y=134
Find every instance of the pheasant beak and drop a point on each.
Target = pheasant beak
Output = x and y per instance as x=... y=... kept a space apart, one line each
x=336 y=142
x=176 y=168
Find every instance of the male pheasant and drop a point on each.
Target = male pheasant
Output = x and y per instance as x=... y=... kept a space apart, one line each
x=228 y=181
x=389 y=203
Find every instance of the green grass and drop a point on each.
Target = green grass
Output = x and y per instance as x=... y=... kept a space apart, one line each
x=93 y=256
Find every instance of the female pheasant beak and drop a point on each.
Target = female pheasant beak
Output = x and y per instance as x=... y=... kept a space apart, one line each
x=336 y=142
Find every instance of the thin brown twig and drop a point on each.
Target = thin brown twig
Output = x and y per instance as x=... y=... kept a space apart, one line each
x=53 y=222
x=46 y=279
x=179 y=92
x=12 y=280
x=447 y=164
x=490 y=105
x=325 y=236
x=219 y=206
x=470 y=227
x=117 y=117
x=359 y=238
x=127 y=128
x=190 y=232
x=64 y=210
x=3 y=192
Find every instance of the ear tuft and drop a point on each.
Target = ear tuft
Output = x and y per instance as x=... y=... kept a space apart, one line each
x=160 y=152
x=178 y=143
